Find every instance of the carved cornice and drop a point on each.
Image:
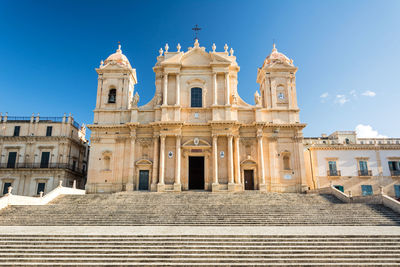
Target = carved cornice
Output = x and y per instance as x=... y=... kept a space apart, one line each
x=107 y=126
x=353 y=147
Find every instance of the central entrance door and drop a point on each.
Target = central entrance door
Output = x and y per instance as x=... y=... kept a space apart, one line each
x=248 y=180
x=196 y=173
x=143 y=180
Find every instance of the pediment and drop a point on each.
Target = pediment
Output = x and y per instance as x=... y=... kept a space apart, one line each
x=248 y=161
x=144 y=162
x=196 y=142
x=196 y=57
x=219 y=59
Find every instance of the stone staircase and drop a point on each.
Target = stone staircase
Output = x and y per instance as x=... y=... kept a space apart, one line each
x=200 y=208
x=199 y=250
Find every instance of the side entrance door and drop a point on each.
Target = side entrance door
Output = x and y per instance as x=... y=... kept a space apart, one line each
x=143 y=180
x=248 y=180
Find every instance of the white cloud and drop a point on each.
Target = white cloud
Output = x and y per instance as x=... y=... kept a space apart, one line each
x=353 y=93
x=341 y=99
x=324 y=95
x=369 y=93
x=366 y=131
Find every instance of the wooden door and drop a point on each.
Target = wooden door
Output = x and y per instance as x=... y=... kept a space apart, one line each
x=248 y=179
x=143 y=180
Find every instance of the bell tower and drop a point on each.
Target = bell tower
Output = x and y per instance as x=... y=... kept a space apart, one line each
x=116 y=83
x=277 y=81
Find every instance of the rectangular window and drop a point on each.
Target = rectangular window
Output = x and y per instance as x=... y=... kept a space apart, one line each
x=397 y=190
x=44 y=161
x=332 y=168
x=12 y=159
x=363 y=168
x=49 y=130
x=16 y=130
x=5 y=188
x=73 y=165
x=394 y=167
x=40 y=188
x=196 y=98
x=366 y=190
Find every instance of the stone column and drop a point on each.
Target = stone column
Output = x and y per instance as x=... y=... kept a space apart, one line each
x=178 y=90
x=227 y=89
x=237 y=160
x=155 y=164
x=262 y=185
x=161 y=184
x=215 y=88
x=129 y=185
x=231 y=184
x=215 y=185
x=177 y=184
x=165 y=89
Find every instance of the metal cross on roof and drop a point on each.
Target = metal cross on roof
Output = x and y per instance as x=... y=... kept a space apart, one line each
x=196 y=29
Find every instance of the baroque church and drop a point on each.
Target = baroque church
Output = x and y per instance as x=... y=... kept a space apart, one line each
x=196 y=133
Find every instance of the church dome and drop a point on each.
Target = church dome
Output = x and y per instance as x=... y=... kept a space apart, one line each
x=118 y=57
x=276 y=56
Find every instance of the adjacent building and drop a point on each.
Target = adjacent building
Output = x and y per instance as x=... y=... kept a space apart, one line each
x=359 y=165
x=37 y=152
x=196 y=132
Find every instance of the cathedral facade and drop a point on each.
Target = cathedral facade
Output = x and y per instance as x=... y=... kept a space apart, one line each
x=196 y=133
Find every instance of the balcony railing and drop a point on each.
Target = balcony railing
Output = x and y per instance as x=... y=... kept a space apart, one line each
x=395 y=172
x=67 y=166
x=333 y=173
x=364 y=173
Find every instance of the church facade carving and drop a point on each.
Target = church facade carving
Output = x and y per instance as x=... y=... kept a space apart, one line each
x=196 y=132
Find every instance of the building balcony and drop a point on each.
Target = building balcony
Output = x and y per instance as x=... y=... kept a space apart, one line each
x=364 y=173
x=395 y=172
x=66 y=166
x=334 y=173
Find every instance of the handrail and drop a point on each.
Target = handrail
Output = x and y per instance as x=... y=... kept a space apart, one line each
x=11 y=199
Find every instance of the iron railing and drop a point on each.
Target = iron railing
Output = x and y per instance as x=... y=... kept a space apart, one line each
x=333 y=173
x=395 y=172
x=364 y=173
x=56 y=165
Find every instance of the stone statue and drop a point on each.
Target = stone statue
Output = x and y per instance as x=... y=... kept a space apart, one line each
x=135 y=100
x=234 y=99
x=159 y=100
x=257 y=98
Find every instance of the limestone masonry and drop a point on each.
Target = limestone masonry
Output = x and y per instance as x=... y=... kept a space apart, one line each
x=197 y=133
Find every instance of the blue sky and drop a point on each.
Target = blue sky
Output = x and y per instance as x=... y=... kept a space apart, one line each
x=347 y=52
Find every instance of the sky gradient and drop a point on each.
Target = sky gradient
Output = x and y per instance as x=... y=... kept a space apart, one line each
x=347 y=53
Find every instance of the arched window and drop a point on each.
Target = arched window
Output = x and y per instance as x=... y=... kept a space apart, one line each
x=347 y=141
x=286 y=162
x=112 y=95
x=197 y=98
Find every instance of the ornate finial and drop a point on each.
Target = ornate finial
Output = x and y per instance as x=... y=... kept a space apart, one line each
x=119 y=47
x=166 y=48
x=178 y=47
x=274 y=48
x=196 y=43
x=231 y=51
x=214 y=47
x=226 y=48
x=101 y=63
x=160 y=51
